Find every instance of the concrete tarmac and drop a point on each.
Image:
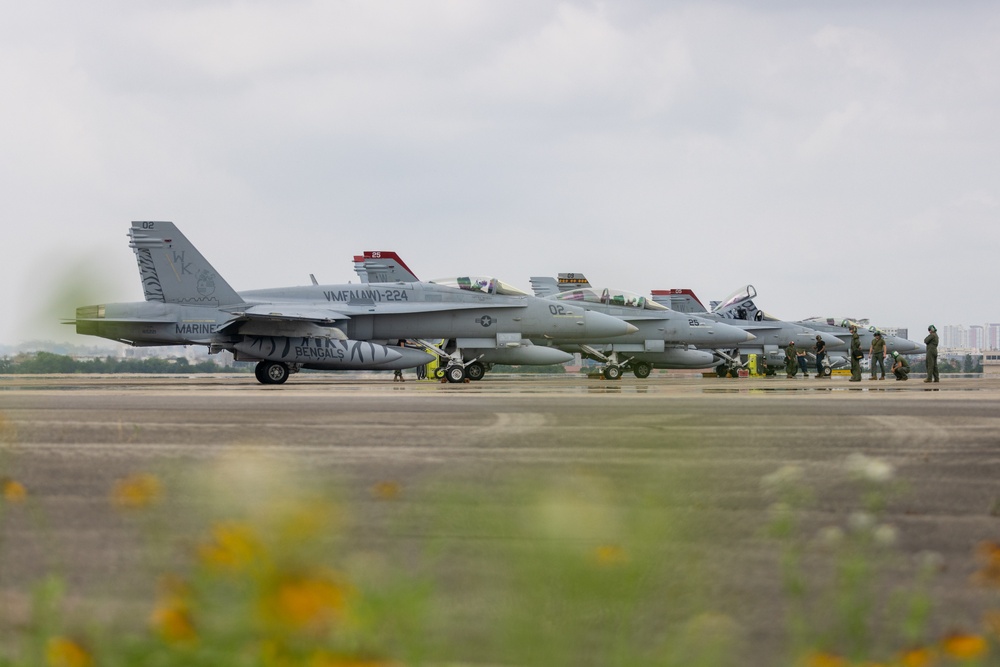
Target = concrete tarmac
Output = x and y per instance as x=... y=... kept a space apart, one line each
x=69 y=438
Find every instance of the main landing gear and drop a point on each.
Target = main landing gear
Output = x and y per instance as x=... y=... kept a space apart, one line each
x=272 y=372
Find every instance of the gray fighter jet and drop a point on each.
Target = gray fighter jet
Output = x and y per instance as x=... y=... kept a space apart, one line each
x=387 y=266
x=325 y=327
x=739 y=309
x=665 y=338
x=840 y=327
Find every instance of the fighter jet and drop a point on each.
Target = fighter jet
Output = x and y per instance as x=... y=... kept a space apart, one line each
x=840 y=327
x=772 y=335
x=665 y=338
x=325 y=327
x=387 y=266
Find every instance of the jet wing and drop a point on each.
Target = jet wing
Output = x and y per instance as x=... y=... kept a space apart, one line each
x=278 y=311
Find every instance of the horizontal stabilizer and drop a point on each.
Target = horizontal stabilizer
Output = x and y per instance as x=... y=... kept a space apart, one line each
x=544 y=286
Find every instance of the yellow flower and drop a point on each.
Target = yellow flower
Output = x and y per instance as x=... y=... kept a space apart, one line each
x=136 y=491
x=306 y=601
x=233 y=546
x=610 y=554
x=964 y=646
x=387 y=490
x=920 y=656
x=171 y=618
x=172 y=621
x=988 y=553
x=64 y=652
x=13 y=491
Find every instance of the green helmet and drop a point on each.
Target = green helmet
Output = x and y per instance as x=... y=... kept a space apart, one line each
x=895 y=354
x=932 y=328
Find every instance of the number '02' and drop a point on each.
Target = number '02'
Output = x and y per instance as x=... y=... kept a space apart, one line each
x=557 y=310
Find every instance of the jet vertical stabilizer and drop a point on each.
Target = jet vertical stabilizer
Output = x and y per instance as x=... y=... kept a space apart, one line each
x=173 y=271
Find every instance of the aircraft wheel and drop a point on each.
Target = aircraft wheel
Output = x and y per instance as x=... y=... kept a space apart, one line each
x=274 y=372
x=455 y=373
x=258 y=372
x=642 y=369
x=612 y=372
x=475 y=371
x=827 y=371
x=721 y=370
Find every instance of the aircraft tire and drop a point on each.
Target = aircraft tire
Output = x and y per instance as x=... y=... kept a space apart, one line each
x=274 y=372
x=258 y=372
x=455 y=373
x=827 y=371
x=642 y=369
x=721 y=370
x=475 y=371
x=612 y=372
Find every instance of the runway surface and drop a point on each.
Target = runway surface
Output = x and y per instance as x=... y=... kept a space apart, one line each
x=69 y=438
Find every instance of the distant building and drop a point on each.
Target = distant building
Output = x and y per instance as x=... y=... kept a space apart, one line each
x=991 y=364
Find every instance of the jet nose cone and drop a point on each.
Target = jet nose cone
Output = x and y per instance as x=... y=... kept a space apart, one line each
x=597 y=325
x=726 y=334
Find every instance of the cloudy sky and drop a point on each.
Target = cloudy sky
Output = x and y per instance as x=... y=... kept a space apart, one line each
x=843 y=157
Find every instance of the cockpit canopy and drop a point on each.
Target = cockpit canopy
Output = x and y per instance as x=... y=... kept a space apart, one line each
x=482 y=284
x=610 y=298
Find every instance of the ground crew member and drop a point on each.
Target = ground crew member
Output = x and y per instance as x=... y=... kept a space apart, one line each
x=876 y=353
x=791 y=365
x=803 y=362
x=931 y=342
x=820 y=348
x=856 y=355
x=900 y=367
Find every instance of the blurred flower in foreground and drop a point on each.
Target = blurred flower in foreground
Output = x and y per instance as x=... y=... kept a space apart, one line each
x=610 y=554
x=964 y=646
x=64 y=652
x=387 y=490
x=869 y=468
x=171 y=618
x=13 y=491
x=988 y=553
x=309 y=601
x=136 y=491
x=920 y=656
x=233 y=546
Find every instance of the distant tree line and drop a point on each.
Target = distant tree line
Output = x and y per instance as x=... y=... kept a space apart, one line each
x=969 y=364
x=47 y=362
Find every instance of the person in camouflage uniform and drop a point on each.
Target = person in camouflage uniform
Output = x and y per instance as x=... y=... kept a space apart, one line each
x=900 y=367
x=876 y=352
x=791 y=365
x=856 y=355
x=931 y=341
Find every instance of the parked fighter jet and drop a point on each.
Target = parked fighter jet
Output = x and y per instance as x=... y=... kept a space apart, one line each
x=386 y=266
x=327 y=327
x=773 y=335
x=840 y=327
x=665 y=339
x=741 y=305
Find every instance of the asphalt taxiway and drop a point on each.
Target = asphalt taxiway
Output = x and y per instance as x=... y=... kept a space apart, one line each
x=67 y=439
